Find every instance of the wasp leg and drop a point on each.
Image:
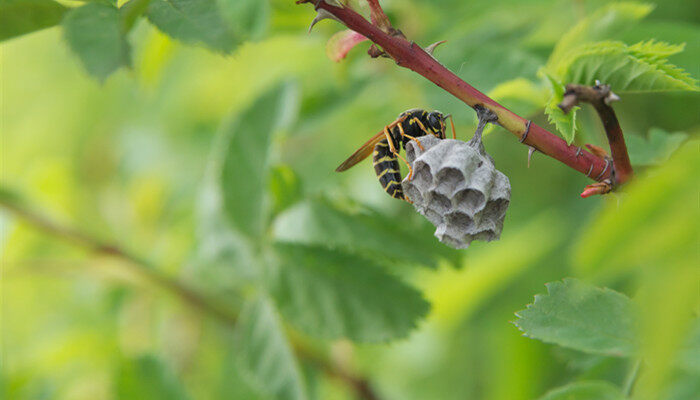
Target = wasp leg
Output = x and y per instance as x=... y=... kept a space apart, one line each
x=398 y=121
x=411 y=137
x=420 y=124
x=410 y=169
x=390 y=140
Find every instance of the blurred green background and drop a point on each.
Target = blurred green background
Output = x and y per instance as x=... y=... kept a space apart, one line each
x=125 y=160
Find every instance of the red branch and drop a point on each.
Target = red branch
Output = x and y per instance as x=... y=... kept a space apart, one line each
x=410 y=55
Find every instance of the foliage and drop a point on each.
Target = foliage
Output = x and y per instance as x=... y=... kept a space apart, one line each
x=19 y=17
x=245 y=165
x=330 y=294
x=581 y=56
x=198 y=21
x=94 y=32
x=581 y=317
x=202 y=135
x=585 y=391
x=656 y=148
x=642 y=67
x=264 y=354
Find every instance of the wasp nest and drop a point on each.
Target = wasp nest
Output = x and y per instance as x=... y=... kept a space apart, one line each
x=456 y=187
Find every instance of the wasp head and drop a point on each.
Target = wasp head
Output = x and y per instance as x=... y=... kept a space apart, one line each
x=436 y=120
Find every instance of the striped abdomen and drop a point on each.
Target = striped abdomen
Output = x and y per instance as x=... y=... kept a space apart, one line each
x=386 y=166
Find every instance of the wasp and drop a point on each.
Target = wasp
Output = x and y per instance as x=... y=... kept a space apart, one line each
x=385 y=146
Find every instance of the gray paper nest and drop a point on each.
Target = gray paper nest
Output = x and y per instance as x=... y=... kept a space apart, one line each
x=458 y=189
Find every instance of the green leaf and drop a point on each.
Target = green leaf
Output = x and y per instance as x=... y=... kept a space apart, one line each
x=332 y=294
x=670 y=31
x=131 y=11
x=94 y=32
x=682 y=386
x=244 y=174
x=659 y=50
x=247 y=18
x=285 y=188
x=600 y=25
x=655 y=149
x=585 y=390
x=225 y=259
x=581 y=316
x=19 y=17
x=642 y=67
x=147 y=378
x=264 y=353
x=364 y=232
x=565 y=123
x=193 y=21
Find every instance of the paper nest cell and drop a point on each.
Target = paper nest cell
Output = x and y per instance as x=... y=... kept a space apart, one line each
x=457 y=188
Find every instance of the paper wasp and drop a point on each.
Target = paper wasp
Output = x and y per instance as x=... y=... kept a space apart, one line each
x=385 y=146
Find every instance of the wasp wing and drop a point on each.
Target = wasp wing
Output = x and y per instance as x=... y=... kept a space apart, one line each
x=363 y=152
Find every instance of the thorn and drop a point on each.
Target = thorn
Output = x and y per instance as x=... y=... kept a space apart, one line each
x=578 y=152
x=530 y=151
x=320 y=16
x=610 y=98
x=431 y=49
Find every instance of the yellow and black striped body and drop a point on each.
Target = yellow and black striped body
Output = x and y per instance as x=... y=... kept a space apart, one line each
x=385 y=146
x=413 y=123
x=386 y=165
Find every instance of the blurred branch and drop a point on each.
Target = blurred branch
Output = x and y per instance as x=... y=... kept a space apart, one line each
x=409 y=55
x=137 y=264
x=600 y=97
x=187 y=295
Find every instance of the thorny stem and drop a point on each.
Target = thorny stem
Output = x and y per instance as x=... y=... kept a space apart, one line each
x=600 y=97
x=410 y=55
x=187 y=295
